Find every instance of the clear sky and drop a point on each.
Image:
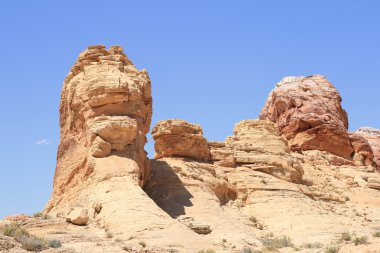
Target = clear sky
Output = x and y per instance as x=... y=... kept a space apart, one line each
x=211 y=62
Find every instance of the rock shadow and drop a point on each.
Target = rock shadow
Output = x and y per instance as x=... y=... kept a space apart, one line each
x=167 y=190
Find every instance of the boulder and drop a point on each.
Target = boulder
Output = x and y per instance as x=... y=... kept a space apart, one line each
x=79 y=216
x=308 y=113
x=178 y=138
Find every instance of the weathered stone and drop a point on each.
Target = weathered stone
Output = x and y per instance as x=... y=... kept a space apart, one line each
x=100 y=148
x=308 y=113
x=363 y=151
x=79 y=216
x=373 y=137
x=258 y=146
x=178 y=138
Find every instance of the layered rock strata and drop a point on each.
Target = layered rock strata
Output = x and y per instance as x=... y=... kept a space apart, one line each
x=256 y=144
x=179 y=138
x=105 y=110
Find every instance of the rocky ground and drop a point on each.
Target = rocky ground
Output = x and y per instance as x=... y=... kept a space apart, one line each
x=295 y=180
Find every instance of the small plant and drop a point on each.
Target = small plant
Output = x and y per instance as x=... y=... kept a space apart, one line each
x=14 y=230
x=249 y=250
x=109 y=234
x=263 y=181
x=277 y=243
x=365 y=178
x=347 y=198
x=206 y=251
x=118 y=240
x=360 y=240
x=346 y=237
x=376 y=234
x=31 y=243
x=332 y=249
x=253 y=219
x=142 y=243
x=54 y=244
x=315 y=245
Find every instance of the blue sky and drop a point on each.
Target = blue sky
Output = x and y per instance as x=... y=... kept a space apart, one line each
x=211 y=62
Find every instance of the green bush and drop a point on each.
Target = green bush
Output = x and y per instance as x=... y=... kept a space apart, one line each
x=277 y=243
x=54 y=244
x=376 y=234
x=206 y=251
x=360 y=240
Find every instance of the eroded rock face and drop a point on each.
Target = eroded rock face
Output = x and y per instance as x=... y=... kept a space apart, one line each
x=363 y=151
x=373 y=137
x=258 y=145
x=106 y=109
x=308 y=113
x=105 y=113
x=178 y=138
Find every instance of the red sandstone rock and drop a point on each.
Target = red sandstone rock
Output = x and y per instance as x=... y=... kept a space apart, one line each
x=373 y=137
x=363 y=151
x=308 y=113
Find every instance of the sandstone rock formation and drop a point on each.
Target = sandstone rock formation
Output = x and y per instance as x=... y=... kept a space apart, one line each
x=258 y=146
x=363 y=151
x=181 y=139
x=373 y=137
x=309 y=115
x=297 y=172
x=106 y=108
x=105 y=113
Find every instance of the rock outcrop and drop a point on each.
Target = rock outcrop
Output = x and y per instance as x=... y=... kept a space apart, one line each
x=179 y=138
x=308 y=113
x=373 y=137
x=363 y=150
x=295 y=172
x=105 y=113
x=106 y=108
x=256 y=144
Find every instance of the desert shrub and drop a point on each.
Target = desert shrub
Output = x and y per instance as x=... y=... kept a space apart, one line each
x=54 y=244
x=376 y=234
x=315 y=245
x=31 y=243
x=253 y=219
x=14 y=230
x=360 y=240
x=142 y=243
x=277 y=243
x=346 y=237
x=249 y=250
x=109 y=234
x=206 y=251
x=332 y=249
